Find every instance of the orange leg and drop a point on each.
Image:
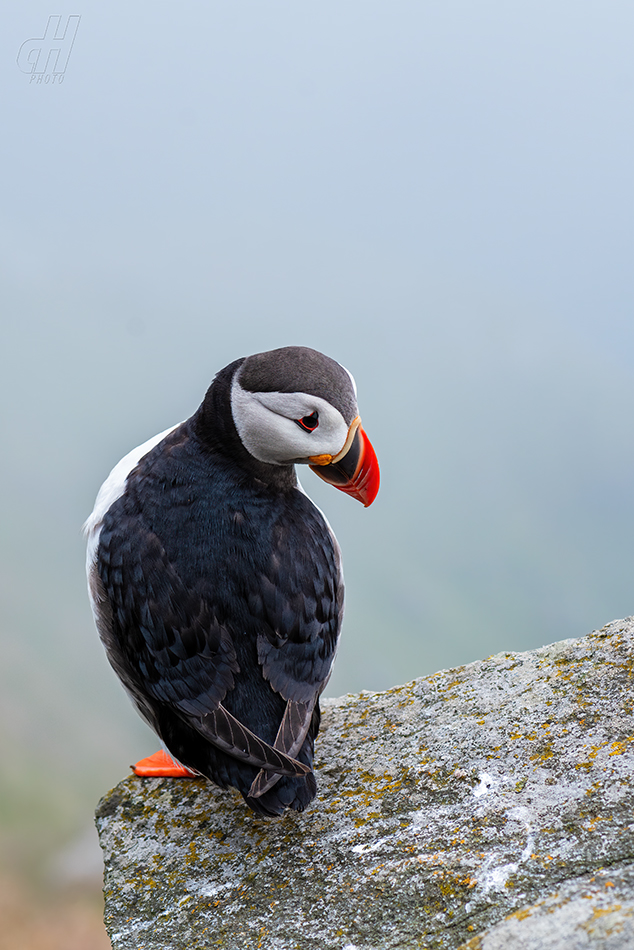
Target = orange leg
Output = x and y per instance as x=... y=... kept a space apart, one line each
x=161 y=765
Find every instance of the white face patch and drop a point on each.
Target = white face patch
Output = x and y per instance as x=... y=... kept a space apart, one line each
x=267 y=425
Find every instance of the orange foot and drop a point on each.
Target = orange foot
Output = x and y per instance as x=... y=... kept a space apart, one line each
x=161 y=765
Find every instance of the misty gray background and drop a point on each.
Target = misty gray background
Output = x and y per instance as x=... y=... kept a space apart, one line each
x=437 y=194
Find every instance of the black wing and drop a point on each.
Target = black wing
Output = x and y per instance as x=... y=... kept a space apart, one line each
x=298 y=598
x=170 y=638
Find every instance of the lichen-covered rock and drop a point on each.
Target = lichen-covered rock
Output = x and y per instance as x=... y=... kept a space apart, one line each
x=489 y=806
x=592 y=911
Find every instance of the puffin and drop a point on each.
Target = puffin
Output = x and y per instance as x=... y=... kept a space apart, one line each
x=216 y=584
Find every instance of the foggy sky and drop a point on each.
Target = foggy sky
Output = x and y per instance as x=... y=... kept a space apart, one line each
x=439 y=195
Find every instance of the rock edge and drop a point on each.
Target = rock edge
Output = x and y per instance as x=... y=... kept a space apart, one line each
x=482 y=807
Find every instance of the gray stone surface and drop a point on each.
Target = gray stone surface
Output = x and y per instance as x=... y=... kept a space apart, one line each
x=592 y=911
x=485 y=807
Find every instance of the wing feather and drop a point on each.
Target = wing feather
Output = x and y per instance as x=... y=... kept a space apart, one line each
x=290 y=738
x=299 y=599
x=166 y=636
x=229 y=734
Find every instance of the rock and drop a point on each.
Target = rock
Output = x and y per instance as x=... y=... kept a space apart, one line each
x=591 y=911
x=484 y=807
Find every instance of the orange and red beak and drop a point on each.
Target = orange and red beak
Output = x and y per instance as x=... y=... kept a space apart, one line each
x=354 y=470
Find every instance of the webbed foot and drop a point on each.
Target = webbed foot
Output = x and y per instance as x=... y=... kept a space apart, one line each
x=161 y=765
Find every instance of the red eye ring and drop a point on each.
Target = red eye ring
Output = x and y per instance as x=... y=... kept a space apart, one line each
x=309 y=423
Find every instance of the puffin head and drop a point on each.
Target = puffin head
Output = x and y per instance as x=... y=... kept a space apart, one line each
x=295 y=405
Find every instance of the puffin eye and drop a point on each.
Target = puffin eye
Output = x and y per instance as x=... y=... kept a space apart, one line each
x=309 y=422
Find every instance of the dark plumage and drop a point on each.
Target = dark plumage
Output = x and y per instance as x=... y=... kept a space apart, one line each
x=216 y=583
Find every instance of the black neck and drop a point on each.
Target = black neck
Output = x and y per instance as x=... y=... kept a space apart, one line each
x=213 y=425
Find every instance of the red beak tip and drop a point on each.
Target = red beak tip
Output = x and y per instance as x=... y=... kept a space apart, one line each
x=364 y=484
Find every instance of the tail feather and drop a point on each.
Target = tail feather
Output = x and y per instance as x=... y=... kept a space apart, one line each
x=289 y=740
x=230 y=735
